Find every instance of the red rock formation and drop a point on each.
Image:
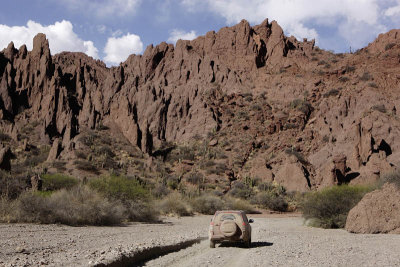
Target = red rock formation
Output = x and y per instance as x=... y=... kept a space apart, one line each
x=284 y=93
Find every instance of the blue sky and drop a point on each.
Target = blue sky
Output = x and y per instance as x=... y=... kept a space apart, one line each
x=113 y=29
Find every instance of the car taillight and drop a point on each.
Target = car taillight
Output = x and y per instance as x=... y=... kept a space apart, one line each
x=211 y=223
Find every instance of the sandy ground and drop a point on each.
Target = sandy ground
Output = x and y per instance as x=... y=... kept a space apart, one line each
x=277 y=241
x=287 y=242
x=59 y=245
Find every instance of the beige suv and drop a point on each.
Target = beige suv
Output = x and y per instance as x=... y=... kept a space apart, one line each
x=230 y=225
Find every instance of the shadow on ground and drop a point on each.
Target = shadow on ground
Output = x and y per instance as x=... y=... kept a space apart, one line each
x=257 y=244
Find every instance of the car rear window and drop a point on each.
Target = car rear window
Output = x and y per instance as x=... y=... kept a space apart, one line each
x=226 y=217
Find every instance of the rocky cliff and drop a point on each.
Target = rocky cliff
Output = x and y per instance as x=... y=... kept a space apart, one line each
x=272 y=108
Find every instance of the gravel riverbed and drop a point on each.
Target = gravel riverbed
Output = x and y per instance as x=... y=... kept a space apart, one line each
x=277 y=241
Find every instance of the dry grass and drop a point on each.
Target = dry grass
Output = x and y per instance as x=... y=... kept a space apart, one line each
x=78 y=206
x=174 y=205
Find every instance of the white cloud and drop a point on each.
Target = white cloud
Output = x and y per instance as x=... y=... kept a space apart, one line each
x=393 y=11
x=179 y=34
x=61 y=37
x=351 y=18
x=118 y=49
x=102 y=8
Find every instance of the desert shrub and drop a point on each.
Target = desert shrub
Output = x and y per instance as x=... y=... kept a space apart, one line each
x=256 y=107
x=174 y=205
x=207 y=204
x=389 y=46
x=349 y=69
x=141 y=211
x=80 y=154
x=290 y=126
x=207 y=164
x=248 y=97
x=102 y=127
x=217 y=169
x=344 y=79
x=173 y=181
x=314 y=59
x=373 y=85
x=120 y=187
x=78 y=206
x=380 y=108
x=321 y=62
x=4 y=137
x=329 y=208
x=238 y=204
x=271 y=187
x=103 y=150
x=7 y=207
x=366 y=77
x=12 y=186
x=242 y=115
x=332 y=92
x=88 y=138
x=241 y=190
x=301 y=105
x=270 y=201
x=37 y=156
x=85 y=165
x=393 y=177
x=57 y=181
x=59 y=165
x=160 y=190
x=181 y=153
x=195 y=178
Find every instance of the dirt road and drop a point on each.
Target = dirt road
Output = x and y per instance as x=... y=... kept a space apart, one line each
x=277 y=241
x=286 y=242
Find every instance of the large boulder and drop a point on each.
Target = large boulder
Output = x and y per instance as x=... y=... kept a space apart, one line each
x=293 y=175
x=377 y=212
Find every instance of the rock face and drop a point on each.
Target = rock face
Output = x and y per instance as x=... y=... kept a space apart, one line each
x=377 y=212
x=254 y=90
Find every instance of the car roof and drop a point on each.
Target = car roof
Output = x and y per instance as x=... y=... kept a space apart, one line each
x=229 y=211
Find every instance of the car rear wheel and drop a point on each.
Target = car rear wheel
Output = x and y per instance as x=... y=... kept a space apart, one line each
x=212 y=244
x=248 y=243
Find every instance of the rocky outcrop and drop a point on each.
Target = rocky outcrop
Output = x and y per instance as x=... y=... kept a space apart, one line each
x=252 y=91
x=151 y=98
x=293 y=175
x=377 y=212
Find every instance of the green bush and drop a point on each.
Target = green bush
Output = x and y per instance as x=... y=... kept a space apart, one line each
x=207 y=204
x=329 y=208
x=271 y=201
x=120 y=187
x=241 y=190
x=57 y=181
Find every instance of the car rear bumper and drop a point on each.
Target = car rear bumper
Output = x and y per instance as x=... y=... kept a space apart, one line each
x=224 y=238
